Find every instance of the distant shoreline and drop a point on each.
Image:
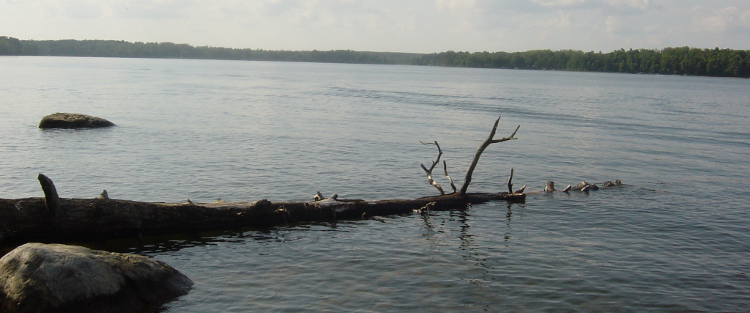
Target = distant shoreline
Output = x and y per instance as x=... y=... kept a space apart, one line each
x=668 y=61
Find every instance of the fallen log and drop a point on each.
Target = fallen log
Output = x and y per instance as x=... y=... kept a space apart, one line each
x=28 y=219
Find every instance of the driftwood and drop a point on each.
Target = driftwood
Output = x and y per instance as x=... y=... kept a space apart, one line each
x=54 y=219
x=582 y=187
x=29 y=219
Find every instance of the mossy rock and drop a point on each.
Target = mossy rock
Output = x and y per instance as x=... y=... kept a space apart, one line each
x=73 y=120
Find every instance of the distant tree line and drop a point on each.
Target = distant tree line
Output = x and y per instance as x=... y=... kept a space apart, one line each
x=124 y=49
x=13 y=46
x=670 y=61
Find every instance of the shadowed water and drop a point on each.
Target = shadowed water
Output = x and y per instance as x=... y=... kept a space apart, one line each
x=673 y=239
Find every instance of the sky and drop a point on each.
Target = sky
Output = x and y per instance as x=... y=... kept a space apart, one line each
x=419 y=26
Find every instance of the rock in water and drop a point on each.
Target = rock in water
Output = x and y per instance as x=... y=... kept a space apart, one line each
x=39 y=277
x=72 y=120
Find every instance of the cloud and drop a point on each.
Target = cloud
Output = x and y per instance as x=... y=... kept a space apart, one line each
x=724 y=20
x=82 y=9
x=389 y=25
x=151 y=9
x=559 y=4
x=455 y=4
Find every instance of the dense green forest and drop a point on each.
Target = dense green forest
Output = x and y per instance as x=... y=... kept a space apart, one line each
x=670 y=61
x=124 y=49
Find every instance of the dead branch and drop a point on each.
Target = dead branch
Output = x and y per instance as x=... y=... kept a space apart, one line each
x=429 y=172
x=445 y=168
x=510 y=181
x=490 y=140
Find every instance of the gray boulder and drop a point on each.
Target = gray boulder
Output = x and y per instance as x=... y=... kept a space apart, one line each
x=39 y=277
x=73 y=120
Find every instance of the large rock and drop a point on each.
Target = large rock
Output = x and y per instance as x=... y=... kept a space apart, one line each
x=73 y=120
x=39 y=277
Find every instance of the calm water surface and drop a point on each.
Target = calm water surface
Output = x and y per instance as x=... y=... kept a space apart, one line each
x=674 y=239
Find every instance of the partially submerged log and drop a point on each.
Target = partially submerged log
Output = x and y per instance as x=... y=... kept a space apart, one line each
x=28 y=219
x=582 y=186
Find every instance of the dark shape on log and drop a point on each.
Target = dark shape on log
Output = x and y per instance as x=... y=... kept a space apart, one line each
x=39 y=277
x=73 y=120
x=510 y=182
x=550 y=186
x=608 y=184
x=585 y=186
x=103 y=195
x=318 y=196
x=582 y=186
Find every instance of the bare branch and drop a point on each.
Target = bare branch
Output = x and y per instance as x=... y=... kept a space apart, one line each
x=445 y=168
x=429 y=172
x=432 y=181
x=490 y=140
x=511 y=137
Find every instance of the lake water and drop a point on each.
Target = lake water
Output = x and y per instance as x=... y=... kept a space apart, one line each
x=675 y=238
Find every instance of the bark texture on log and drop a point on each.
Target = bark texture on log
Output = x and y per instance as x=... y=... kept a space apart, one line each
x=22 y=220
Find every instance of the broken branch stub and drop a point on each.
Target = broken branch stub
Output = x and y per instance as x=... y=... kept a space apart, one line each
x=51 y=199
x=490 y=140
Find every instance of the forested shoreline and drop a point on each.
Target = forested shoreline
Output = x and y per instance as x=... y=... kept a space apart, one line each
x=668 y=61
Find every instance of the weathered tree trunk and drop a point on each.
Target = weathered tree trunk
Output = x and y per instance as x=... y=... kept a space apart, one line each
x=28 y=219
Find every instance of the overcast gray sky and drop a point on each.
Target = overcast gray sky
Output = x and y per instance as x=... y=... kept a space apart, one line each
x=389 y=25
